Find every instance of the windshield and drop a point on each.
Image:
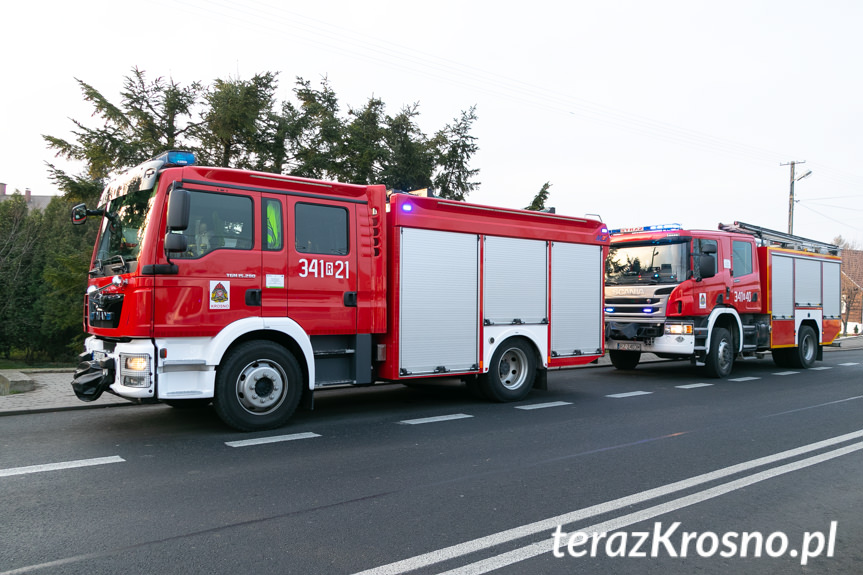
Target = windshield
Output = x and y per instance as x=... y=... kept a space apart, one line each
x=123 y=229
x=651 y=263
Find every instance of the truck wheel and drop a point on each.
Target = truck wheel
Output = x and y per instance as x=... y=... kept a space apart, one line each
x=511 y=372
x=258 y=386
x=720 y=358
x=803 y=356
x=622 y=359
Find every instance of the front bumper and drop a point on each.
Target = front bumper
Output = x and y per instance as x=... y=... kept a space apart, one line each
x=649 y=338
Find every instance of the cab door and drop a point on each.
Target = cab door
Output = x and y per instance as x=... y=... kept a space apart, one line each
x=274 y=258
x=322 y=265
x=218 y=278
x=746 y=289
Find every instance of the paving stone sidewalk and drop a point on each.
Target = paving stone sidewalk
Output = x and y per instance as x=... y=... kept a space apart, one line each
x=52 y=389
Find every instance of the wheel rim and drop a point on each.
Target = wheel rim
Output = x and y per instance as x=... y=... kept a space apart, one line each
x=725 y=359
x=512 y=368
x=807 y=347
x=261 y=387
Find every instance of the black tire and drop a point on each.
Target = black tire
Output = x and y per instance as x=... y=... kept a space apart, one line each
x=623 y=359
x=803 y=356
x=511 y=372
x=188 y=403
x=258 y=386
x=720 y=357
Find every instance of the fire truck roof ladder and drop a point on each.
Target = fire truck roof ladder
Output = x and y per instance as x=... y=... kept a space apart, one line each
x=772 y=237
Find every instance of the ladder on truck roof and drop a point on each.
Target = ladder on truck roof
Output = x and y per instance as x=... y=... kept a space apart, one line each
x=770 y=237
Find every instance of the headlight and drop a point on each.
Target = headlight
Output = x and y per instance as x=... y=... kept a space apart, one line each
x=678 y=329
x=136 y=370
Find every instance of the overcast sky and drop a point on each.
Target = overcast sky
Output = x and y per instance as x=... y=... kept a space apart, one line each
x=641 y=112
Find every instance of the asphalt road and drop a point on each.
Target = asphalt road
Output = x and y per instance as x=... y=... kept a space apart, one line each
x=368 y=484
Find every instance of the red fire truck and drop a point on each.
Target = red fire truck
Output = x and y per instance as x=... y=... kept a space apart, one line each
x=714 y=296
x=253 y=290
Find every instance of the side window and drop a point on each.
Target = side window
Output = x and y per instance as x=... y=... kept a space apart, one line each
x=274 y=228
x=701 y=247
x=321 y=229
x=698 y=247
x=218 y=221
x=741 y=259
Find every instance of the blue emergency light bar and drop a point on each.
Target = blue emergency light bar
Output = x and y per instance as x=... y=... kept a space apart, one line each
x=645 y=229
x=177 y=158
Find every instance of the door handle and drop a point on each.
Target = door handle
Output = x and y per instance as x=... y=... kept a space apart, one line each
x=350 y=299
x=253 y=297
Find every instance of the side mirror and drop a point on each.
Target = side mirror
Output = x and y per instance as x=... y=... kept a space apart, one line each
x=79 y=214
x=178 y=210
x=176 y=243
x=707 y=266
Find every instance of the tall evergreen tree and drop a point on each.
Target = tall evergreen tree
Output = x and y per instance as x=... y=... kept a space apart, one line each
x=539 y=200
x=318 y=135
x=410 y=157
x=20 y=239
x=363 y=150
x=236 y=112
x=455 y=148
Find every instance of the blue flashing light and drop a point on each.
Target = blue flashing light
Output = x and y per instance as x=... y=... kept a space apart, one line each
x=641 y=229
x=407 y=207
x=178 y=158
x=647 y=309
x=609 y=310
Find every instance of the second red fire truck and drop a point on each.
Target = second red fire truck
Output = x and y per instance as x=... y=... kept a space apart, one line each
x=714 y=296
x=253 y=290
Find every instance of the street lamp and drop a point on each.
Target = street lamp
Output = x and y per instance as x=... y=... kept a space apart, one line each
x=791 y=194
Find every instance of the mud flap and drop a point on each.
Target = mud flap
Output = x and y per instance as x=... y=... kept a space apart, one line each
x=92 y=378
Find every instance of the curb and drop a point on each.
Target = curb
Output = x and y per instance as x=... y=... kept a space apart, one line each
x=82 y=407
x=13 y=381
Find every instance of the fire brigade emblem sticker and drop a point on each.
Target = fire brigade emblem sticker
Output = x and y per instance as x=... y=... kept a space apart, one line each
x=702 y=300
x=220 y=295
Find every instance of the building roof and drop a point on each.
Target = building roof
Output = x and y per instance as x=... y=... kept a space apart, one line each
x=32 y=200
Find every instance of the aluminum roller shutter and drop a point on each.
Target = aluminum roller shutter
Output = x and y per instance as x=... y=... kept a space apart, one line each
x=832 y=290
x=782 y=287
x=439 y=310
x=807 y=282
x=576 y=299
x=515 y=281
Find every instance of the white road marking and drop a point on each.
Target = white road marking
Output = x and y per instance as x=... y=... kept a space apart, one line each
x=435 y=419
x=546 y=545
x=822 y=368
x=693 y=385
x=59 y=466
x=274 y=439
x=744 y=379
x=847 y=364
x=551 y=523
x=630 y=394
x=786 y=373
x=544 y=405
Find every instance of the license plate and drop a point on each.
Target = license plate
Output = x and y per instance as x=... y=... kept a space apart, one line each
x=629 y=346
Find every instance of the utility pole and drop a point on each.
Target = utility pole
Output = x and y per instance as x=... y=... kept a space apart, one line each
x=791 y=194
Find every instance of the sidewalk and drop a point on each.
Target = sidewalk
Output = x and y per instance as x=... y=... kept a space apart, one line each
x=52 y=388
